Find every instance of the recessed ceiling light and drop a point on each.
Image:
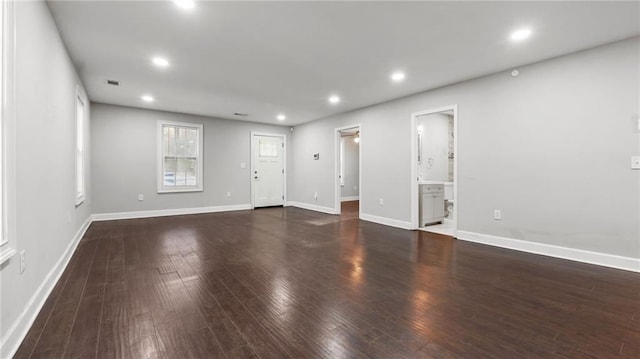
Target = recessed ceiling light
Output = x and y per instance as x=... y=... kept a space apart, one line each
x=147 y=98
x=160 y=61
x=398 y=76
x=281 y=117
x=334 y=99
x=520 y=35
x=185 y=4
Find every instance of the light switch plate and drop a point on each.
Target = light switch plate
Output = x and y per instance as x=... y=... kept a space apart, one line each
x=635 y=163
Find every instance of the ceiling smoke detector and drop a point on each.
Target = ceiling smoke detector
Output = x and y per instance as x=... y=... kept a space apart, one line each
x=113 y=82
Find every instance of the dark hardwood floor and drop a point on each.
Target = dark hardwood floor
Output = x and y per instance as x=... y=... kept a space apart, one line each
x=286 y=282
x=350 y=210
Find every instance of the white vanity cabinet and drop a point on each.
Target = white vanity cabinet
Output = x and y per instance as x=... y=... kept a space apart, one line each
x=431 y=204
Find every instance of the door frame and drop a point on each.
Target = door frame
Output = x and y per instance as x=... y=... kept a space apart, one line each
x=336 y=169
x=414 y=163
x=252 y=164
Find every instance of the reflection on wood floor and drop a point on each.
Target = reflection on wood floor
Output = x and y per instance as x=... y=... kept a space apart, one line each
x=269 y=284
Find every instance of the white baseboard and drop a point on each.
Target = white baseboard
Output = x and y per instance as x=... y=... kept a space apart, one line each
x=351 y=198
x=579 y=255
x=312 y=207
x=20 y=327
x=168 y=212
x=386 y=221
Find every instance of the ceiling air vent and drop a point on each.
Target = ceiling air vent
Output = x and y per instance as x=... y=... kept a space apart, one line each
x=241 y=114
x=113 y=82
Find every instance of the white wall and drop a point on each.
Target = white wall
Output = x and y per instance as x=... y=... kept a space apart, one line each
x=551 y=148
x=435 y=147
x=47 y=221
x=350 y=190
x=124 y=158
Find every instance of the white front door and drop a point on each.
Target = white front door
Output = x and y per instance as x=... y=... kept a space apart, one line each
x=267 y=173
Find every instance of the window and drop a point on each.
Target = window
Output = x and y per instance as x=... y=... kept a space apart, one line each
x=7 y=123
x=3 y=237
x=80 y=160
x=268 y=148
x=180 y=159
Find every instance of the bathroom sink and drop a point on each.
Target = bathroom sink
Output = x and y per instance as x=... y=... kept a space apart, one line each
x=430 y=182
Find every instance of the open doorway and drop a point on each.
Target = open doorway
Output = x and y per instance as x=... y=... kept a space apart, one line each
x=348 y=179
x=434 y=170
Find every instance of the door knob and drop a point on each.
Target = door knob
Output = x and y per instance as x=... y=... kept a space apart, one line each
x=256 y=177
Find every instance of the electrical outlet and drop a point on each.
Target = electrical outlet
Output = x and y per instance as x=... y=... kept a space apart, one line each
x=22 y=262
x=635 y=163
x=497 y=214
x=140 y=197
x=228 y=194
x=315 y=195
x=381 y=201
x=68 y=218
x=243 y=165
x=355 y=188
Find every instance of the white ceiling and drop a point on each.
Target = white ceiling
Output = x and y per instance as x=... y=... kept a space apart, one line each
x=265 y=58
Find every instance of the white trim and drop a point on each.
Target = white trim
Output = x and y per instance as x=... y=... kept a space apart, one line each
x=386 y=221
x=342 y=149
x=80 y=130
x=336 y=167
x=579 y=255
x=8 y=235
x=312 y=207
x=414 y=163
x=168 y=212
x=5 y=255
x=20 y=327
x=350 y=198
x=284 y=163
x=181 y=190
x=160 y=158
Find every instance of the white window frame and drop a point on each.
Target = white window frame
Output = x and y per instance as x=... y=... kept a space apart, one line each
x=342 y=149
x=80 y=148
x=8 y=243
x=199 y=175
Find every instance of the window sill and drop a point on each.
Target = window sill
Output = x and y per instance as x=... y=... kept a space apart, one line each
x=180 y=190
x=6 y=254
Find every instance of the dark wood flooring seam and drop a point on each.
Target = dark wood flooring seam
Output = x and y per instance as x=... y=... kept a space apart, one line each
x=95 y=250
x=104 y=289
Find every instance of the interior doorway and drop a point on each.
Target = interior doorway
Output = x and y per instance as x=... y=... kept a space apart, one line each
x=434 y=170
x=348 y=180
x=268 y=164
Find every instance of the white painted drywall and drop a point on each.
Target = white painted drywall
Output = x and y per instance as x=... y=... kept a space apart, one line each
x=124 y=157
x=351 y=168
x=46 y=217
x=435 y=147
x=550 y=148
